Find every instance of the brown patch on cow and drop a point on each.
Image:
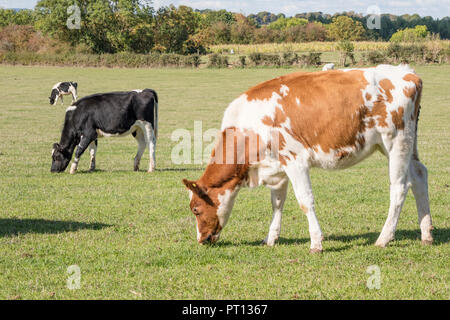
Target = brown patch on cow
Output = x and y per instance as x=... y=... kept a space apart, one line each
x=267 y=121
x=293 y=154
x=387 y=86
x=283 y=159
x=279 y=118
x=265 y=90
x=304 y=208
x=368 y=96
x=397 y=118
x=323 y=102
x=342 y=154
x=414 y=78
x=412 y=91
x=378 y=111
x=371 y=123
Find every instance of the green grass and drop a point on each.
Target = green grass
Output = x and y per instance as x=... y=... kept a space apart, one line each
x=133 y=236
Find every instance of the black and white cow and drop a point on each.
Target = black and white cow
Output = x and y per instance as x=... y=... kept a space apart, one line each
x=107 y=114
x=63 y=89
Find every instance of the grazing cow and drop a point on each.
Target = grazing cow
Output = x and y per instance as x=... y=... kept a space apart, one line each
x=328 y=119
x=328 y=66
x=107 y=114
x=63 y=89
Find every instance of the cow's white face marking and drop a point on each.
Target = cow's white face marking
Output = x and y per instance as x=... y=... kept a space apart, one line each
x=226 y=201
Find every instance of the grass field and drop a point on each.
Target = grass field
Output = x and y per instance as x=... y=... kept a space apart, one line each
x=133 y=237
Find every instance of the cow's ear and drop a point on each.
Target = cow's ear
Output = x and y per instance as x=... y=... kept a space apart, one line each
x=194 y=187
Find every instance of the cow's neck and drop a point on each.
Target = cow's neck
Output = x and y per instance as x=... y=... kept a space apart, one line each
x=68 y=138
x=223 y=182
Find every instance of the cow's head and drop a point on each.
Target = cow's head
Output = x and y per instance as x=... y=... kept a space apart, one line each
x=211 y=207
x=53 y=96
x=60 y=158
x=205 y=211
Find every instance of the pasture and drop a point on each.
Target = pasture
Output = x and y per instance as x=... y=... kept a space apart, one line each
x=132 y=233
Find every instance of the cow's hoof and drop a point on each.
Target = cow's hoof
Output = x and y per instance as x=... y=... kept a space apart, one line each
x=151 y=170
x=315 y=250
x=427 y=242
x=380 y=245
x=73 y=171
x=269 y=243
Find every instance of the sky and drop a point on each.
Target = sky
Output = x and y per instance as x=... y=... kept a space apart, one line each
x=434 y=8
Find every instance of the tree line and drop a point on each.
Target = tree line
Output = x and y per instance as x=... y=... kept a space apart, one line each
x=111 y=26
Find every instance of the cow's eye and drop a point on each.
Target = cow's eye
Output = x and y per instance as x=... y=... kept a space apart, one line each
x=195 y=211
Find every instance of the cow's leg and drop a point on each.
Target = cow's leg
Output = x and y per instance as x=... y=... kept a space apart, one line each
x=56 y=100
x=92 y=152
x=150 y=139
x=299 y=175
x=140 y=138
x=82 y=146
x=278 y=196
x=418 y=177
x=399 y=157
x=62 y=100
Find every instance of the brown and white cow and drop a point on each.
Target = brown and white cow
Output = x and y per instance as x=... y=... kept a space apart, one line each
x=278 y=130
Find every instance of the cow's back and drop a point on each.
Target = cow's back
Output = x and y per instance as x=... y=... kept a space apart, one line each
x=336 y=113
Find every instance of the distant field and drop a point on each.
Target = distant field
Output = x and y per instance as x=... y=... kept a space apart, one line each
x=316 y=46
x=133 y=236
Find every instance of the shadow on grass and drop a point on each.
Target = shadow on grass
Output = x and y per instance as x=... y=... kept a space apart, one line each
x=140 y=170
x=440 y=236
x=12 y=227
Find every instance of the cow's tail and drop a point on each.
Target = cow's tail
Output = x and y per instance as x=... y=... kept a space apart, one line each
x=415 y=154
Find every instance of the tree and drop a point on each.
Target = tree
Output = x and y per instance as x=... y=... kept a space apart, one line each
x=285 y=23
x=174 y=26
x=345 y=28
x=242 y=30
x=410 y=34
x=105 y=25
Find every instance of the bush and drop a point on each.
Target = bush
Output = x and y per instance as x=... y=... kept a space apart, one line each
x=255 y=58
x=405 y=53
x=374 y=57
x=217 y=61
x=345 y=49
x=123 y=59
x=311 y=59
x=192 y=60
x=261 y=59
x=242 y=61
x=290 y=58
